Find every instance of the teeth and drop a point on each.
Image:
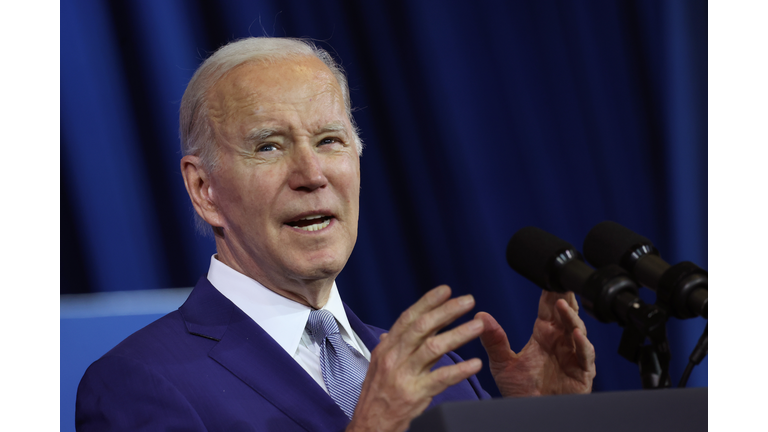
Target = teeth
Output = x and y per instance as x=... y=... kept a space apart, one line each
x=317 y=226
x=312 y=217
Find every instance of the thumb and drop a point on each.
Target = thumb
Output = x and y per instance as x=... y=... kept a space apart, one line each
x=494 y=339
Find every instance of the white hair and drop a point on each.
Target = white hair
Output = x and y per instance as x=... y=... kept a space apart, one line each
x=196 y=129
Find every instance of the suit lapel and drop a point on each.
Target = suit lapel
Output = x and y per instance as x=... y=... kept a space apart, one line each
x=368 y=334
x=249 y=353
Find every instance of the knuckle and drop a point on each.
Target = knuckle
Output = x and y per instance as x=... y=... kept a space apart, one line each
x=406 y=316
x=409 y=398
x=433 y=346
x=443 y=376
x=377 y=353
x=401 y=380
x=389 y=361
x=421 y=325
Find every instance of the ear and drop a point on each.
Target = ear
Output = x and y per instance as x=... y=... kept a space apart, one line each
x=198 y=183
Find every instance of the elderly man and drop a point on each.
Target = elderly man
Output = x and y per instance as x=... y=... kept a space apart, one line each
x=264 y=342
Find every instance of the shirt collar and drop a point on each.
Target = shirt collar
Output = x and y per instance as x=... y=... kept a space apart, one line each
x=282 y=318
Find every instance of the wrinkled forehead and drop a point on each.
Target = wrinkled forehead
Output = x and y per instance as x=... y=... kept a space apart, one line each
x=258 y=86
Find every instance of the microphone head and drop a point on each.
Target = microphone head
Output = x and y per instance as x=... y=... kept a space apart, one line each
x=610 y=243
x=532 y=251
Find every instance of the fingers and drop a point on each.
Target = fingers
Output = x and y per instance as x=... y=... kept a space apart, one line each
x=416 y=330
x=429 y=301
x=549 y=299
x=436 y=346
x=446 y=376
x=569 y=318
x=413 y=342
x=585 y=352
x=574 y=325
x=571 y=299
x=430 y=314
x=547 y=305
x=494 y=338
x=400 y=383
x=434 y=320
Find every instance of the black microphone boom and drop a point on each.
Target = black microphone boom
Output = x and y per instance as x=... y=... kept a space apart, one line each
x=681 y=289
x=553 y=264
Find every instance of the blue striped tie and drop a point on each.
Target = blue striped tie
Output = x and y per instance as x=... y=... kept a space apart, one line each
x=343 y=367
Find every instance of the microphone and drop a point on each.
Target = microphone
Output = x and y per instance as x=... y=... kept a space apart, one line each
x=681 y=289
x=608 y=294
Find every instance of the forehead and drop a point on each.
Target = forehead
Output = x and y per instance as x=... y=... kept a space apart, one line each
x=303 y=85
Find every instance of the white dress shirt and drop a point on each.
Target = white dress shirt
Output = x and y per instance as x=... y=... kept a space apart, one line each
x=283 y=319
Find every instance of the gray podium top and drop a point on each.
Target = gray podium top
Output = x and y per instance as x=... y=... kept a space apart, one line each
x=673 y=410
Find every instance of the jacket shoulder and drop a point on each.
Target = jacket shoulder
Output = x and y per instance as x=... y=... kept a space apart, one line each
x=159 y=338
x=123 y=393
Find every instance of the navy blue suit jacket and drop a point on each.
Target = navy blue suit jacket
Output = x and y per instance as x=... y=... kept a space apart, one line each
x=208 y=366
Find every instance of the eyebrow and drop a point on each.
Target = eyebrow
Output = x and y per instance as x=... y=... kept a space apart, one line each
x=261 y=134
x=265 y=133
x=332 y=127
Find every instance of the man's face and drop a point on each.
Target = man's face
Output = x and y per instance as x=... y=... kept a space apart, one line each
x=287 y=184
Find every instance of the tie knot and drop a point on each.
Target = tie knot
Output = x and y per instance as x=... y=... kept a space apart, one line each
x=322 y=324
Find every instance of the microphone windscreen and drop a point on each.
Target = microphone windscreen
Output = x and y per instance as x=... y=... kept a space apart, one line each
x=608 y=243
x=529 y=252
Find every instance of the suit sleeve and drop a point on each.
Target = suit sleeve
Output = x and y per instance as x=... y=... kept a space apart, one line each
x=120 y=394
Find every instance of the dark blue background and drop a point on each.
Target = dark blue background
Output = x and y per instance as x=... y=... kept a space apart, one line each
x=479 y=118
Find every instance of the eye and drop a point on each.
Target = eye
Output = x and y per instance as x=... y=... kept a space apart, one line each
x=330 y=140
x=266 y=148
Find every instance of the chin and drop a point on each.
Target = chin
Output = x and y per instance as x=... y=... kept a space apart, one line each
x=321 y=267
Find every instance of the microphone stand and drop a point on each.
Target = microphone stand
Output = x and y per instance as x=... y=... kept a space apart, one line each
x=609 y=294
x=646 y=322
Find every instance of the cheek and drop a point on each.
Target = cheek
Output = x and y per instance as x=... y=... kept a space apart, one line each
x=349 y=179
x=226 y=192
x=238 y=194
x=346 y=175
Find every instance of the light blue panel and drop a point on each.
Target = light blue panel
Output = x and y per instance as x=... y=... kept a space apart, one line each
x=84 y=340
x=92 y=324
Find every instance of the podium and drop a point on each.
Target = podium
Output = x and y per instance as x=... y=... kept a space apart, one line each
x=661 y=410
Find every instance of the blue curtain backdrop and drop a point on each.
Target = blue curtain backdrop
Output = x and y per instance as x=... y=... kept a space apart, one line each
x=479 y=118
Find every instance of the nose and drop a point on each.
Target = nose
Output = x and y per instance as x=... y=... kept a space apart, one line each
x=306 y=170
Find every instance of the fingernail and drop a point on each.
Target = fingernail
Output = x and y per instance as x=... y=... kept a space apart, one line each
x=440 y=292
x=466 y=300
x=475 y=325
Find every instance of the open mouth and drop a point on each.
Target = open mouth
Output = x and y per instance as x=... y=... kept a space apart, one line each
x=311 y=223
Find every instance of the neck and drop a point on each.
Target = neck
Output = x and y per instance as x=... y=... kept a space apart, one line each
x=309 y=292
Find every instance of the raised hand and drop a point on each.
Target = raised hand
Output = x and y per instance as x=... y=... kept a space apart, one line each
x=399 y=384
x=558 y=358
